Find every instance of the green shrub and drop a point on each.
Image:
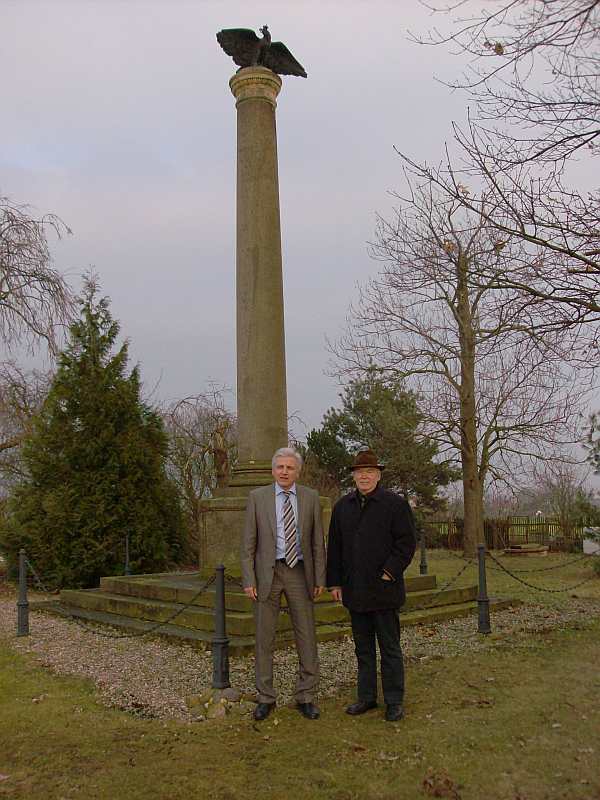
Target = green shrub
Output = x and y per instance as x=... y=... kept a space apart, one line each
x=96 y=466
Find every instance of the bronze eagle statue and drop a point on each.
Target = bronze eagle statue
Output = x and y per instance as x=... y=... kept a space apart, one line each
x=247 y=50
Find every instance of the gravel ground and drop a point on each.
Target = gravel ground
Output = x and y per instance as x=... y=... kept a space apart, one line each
x=153 y=677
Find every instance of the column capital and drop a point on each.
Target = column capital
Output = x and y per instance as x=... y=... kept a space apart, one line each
x=255 y=83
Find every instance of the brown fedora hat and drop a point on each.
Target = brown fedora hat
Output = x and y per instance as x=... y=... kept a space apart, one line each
x=366 y=458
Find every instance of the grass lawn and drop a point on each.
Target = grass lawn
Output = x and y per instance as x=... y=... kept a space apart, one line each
x=518 y=722
x=555 y=571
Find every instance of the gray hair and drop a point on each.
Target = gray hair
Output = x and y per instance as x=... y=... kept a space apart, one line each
x=287 y=452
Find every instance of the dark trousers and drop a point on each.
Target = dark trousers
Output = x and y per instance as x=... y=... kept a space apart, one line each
x=385 y=626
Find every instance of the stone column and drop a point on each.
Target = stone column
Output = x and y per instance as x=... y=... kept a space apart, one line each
x=261 y=383
x=261 y=379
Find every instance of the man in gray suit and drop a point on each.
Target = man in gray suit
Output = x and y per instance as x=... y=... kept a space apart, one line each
x=283 y=552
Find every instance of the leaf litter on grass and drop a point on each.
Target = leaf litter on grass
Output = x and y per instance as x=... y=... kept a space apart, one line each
x=437 y=783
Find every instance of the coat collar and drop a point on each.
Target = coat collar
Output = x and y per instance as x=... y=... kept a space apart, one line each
x=376 y=494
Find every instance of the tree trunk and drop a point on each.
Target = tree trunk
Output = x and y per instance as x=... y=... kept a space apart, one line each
x=472 y=489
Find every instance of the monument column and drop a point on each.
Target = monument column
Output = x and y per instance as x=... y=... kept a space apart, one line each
x=261 y=378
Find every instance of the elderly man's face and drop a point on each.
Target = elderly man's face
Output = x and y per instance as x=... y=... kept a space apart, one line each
x=285 y=471
x=366 y=478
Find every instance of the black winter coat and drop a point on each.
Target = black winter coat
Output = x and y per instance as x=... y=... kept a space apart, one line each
x=365 y=542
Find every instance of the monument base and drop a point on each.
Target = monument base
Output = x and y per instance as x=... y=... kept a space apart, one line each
x=245 y=477
x=222 y=526
x=136 y=603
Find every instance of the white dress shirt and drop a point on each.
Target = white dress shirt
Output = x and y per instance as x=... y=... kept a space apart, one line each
x=279 y=501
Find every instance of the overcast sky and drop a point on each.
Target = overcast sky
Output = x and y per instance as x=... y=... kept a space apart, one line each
x=117 y=116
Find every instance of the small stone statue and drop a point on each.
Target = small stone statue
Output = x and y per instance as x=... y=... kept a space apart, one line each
x=247 y=50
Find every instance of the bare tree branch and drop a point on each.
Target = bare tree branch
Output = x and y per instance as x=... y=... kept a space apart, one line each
x=35 y=300
x=533 y=75
x=496 y=369
x=202 y=448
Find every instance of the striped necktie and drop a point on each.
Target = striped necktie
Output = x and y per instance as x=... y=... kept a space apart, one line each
x=289 y=529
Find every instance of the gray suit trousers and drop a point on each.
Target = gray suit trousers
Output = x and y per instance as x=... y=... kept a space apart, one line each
x=292 y=583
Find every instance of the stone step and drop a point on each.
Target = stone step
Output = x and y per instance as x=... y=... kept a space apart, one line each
x=238 y=645
x=425 y=599
x=184 y=587
x=239 y=623
x=443 y=613
x=244 y=645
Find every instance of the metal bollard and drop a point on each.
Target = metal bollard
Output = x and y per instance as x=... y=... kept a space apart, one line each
x=423 y=564
x=220 y=642
x=22 y=602
x=127 y=568
x=483 y=602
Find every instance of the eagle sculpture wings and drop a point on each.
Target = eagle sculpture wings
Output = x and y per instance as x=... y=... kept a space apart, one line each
x=247 y=50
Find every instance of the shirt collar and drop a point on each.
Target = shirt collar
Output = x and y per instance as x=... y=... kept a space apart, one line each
x=281 y=490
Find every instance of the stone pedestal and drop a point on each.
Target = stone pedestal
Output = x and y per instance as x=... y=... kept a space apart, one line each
x=222 y=525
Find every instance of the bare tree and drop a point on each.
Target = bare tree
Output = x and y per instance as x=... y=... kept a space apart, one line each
x=202 y=449
x=496 y=384
x=21 y=396
x=35 y=305
x=35 y=300
x=499 y=501
x=561 y=489
x=534 y=77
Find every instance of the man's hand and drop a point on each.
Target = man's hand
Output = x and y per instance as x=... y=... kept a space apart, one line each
x=385 y=576
x=251 y=592
x=336 y=593
x=317 y=591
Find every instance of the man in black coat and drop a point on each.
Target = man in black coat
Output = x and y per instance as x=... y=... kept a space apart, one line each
x=371 y=542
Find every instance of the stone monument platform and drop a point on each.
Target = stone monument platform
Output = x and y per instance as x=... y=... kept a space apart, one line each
x=137 y=603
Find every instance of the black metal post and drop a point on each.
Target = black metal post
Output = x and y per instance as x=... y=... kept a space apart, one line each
x=220 y=642
x=423 y=564
x=483 y=602
x=22 y=602
x=127 y=569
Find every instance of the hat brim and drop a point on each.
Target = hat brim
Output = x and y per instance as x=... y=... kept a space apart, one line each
x=362 y=466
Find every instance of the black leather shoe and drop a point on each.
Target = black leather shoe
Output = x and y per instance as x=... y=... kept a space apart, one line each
x=309 y=710
x=359 y=708
x=263 y=710
x=394 y=712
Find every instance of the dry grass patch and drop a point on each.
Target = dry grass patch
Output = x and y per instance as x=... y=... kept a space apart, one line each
x=511 y=716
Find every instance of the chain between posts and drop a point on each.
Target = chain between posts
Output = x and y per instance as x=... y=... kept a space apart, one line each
x=38 y=580
x=531 y=585
x=237 y=582
x=552 y=566
x=108 y=635
x=582 y=557
x=148 y=631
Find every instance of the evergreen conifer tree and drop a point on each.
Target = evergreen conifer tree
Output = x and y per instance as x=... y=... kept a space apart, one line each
x=386 y=417
x=96 y=466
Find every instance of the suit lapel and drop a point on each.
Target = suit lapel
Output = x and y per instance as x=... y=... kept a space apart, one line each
x=300 y=499
x=271 y=514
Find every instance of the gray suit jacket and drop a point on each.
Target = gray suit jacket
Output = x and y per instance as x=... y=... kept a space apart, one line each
x=260 y=537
